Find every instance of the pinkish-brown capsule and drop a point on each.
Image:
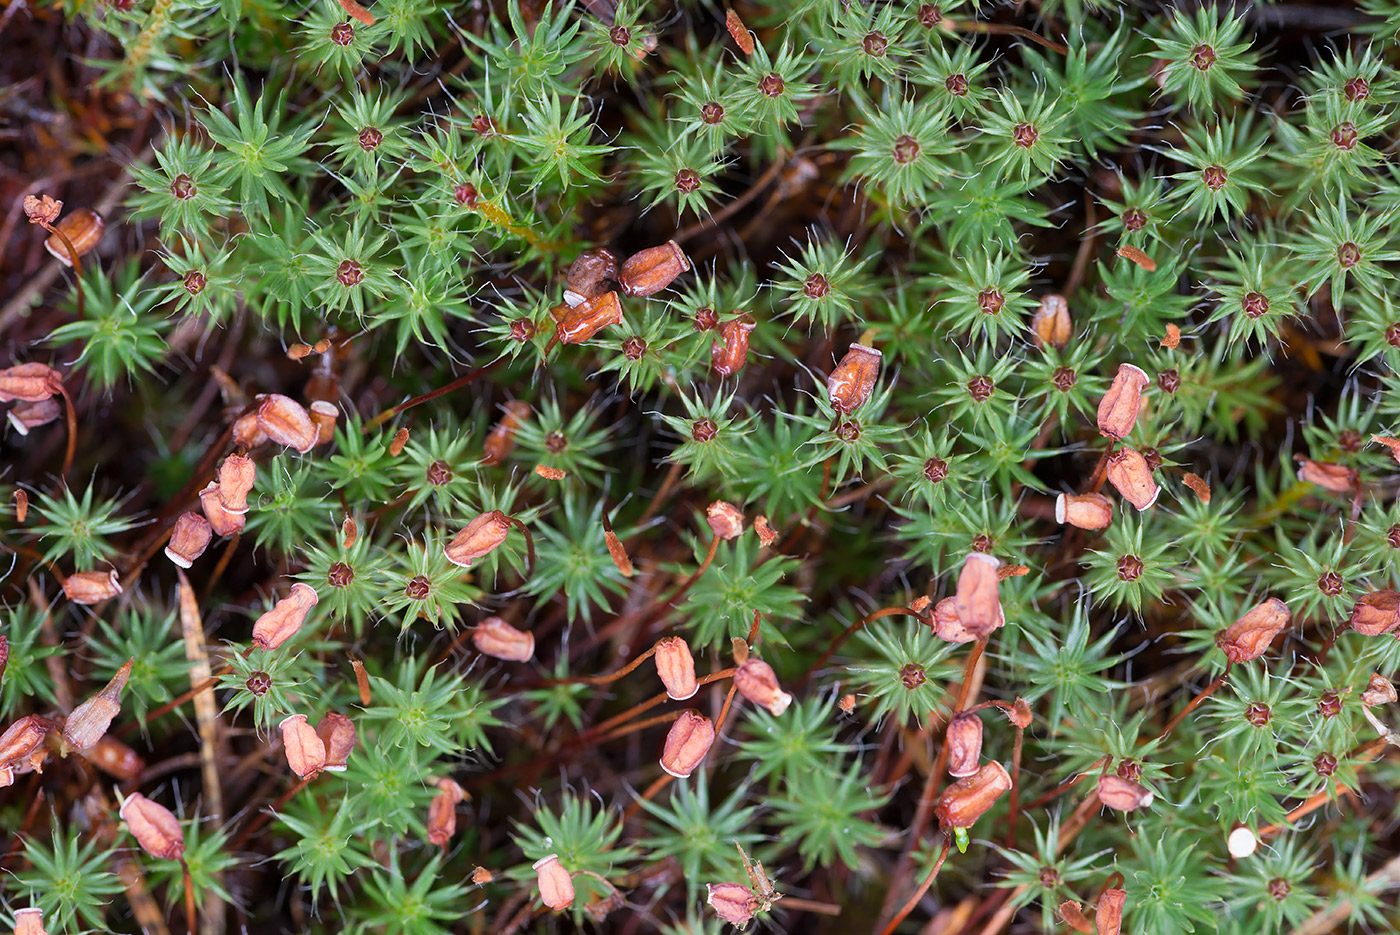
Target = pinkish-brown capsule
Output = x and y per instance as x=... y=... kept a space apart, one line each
x=30 y=921
x=91 y=587
x=286 y=422
x=1334 y=477
x=26 y=415
x=757 y=682
x=30 y=383
x=730 y=352
x=947 y=626
x=285 y=618
x=83 y=228
x=478 y=538
x=188 y=539
x=337 y=732
x=90 y=720
x=853 y=380
x=1118 y=411
x=306 y=751
x=964 y=739
x=1376 y=613
x=221 y=521
x=687 y=744
x=676 y=667
x=968 y=799
x=442 y=812
x=237 y=475
x=247 y=433
x=977 y=600
x=590 y=275
x=651 y=270
x=1051 y=325
x=732 y=902
x=1084 y=510
x=153 y=826
x=1108 y=917
x=115 y=759
x=1123 y=795
x=581 y=322
x=498 y=639
x=1378 y=691
x=21 y=738
x=501 y=440
x=556 y=886
x=725 y=520
x=1132 y=478
x=767 y=535
x=323 y=415
x=1249 y=637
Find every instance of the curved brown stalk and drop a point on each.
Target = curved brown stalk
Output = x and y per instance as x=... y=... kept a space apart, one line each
x=850 y=631
x=927 y=881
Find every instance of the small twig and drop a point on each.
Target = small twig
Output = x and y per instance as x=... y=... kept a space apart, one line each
x=913 y=901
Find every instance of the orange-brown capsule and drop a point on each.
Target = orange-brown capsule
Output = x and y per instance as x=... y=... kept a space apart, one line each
x=767 y=535
x=221 y=521
x=1139 y=257
x=744 y=39
x=396 y=444
x=247 y=433
x=732 y=902
x=478 y=538
x=853 y=380
x=115 y=759
x=324 y=416
x=337 y=732
x=21 y=498
x=349 y=532
x=188 y=539
x=676 y=667
x=83 y=228
x=725 y=519
x=90 y=587
x=501 y=440
x=555 y=884
x=1108 y=917
x=30 y=415
x=498 y=639
x=1249 y=637
x=1020 y=714
x=481 y=876
x=1378 y=691
x=31 y=383
x=42 y=209
x=1084 y=510
x=90 y=720
x=1123 y=795
x=1132 y=478
x=1198 y=486
x=1334 y=477
x=1118 y=410
x=306 y=751
x=237 y=475
x=651 y=270
x=847 y=704
x=153 y=826
x=581 y=322
x=1376 y=613
x=964 y=739
x=730 y=352
x=286 y=422
x=1072 y=913
x=1391 y=443
x=977 y=600
x=757 y=682
x=285 y=618
x=550 y=473
x=298 y=351
x=1173 y=338
x=590 y=275
x=968 y=799
x=687 y=744
x=1051 y=325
